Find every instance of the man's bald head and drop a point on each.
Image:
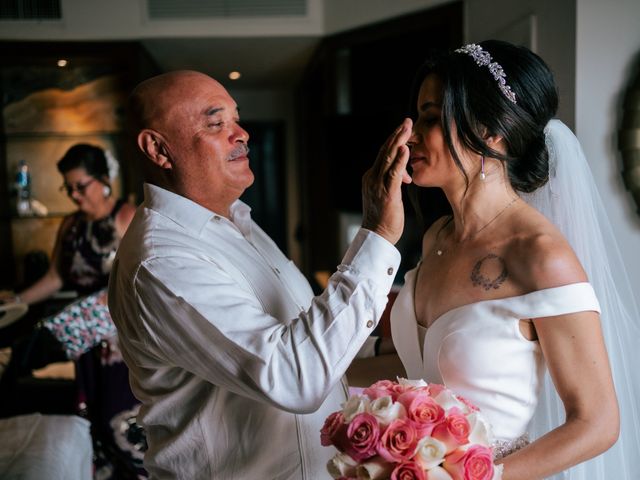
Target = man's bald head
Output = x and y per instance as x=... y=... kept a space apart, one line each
x=154 y=100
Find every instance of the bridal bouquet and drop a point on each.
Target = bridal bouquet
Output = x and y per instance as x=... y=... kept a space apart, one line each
x=409 y=430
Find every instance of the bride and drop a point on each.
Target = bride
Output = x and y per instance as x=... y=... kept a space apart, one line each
x=504 y=293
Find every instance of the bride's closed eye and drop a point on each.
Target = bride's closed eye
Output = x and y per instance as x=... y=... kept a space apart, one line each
x=429 y=121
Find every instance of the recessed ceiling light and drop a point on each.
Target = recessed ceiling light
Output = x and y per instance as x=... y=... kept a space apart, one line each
x=234 y=75
x=62 y=62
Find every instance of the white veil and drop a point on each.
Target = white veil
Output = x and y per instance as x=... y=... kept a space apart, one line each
x=571 y=201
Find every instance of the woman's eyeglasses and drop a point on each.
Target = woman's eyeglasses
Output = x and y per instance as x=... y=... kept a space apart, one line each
x=78 y=187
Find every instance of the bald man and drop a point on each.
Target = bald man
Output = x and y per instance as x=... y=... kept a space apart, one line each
x=235 y=362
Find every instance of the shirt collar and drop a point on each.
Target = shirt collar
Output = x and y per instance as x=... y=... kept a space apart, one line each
x=190 y=215
x=241 y=217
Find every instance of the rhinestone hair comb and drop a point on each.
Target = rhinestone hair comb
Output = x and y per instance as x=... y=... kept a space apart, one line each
x=483 y=59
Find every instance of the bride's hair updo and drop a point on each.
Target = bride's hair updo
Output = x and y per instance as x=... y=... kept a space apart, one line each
x=474 y=104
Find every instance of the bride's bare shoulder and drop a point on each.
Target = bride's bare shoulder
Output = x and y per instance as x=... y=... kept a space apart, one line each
x=540 y=257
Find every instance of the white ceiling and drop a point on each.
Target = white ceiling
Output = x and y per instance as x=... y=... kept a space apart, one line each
x=264 y=62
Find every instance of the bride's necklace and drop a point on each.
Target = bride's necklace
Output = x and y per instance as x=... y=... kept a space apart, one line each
x=439 y=251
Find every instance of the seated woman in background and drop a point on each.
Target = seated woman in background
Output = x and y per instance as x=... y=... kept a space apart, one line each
x=88 y=238
x=82 y=256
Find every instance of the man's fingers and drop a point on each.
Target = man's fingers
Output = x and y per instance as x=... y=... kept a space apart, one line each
x=398 y=146
x=382 y=199
x=388 y=151
x=398 y=170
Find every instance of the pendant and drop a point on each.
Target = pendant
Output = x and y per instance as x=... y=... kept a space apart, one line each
x=439 y=252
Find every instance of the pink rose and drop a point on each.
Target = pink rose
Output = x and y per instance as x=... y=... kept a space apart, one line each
x=408 y=471
x=384 y=388
x=423 y=410
x=396 y=390
x=454 y=431
x=332 y=425
x=475 y=463
x=399 y=441
x=436 y=389
x=362 y=437
x=381 y=388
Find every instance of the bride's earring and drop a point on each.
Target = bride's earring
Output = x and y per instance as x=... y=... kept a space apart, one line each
x=106 y=191
x=482 y=175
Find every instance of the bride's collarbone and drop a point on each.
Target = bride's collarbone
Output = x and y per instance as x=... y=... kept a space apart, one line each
x=464 y=276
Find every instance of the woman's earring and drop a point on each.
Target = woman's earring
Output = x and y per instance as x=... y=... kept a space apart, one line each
x=106 y=191
x=482 y=175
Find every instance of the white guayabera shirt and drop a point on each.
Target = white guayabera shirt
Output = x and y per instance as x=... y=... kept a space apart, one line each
x=235 y=362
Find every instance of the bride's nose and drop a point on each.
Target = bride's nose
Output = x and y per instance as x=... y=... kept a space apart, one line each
x=413 y=139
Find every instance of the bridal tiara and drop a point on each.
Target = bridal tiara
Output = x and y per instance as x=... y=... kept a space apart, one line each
x=482 y=59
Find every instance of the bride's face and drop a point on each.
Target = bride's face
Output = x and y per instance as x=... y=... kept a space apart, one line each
x=431 y=161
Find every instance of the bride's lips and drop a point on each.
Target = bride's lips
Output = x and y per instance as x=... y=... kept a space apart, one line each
x=417 y=159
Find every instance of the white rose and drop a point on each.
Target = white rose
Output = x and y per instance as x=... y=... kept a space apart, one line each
x=412 y=383
x=355 y=405
x=342 y=465
x=430 y=453
x=374 y=469
x=439 y=473
x=448 y=400
x=497 y=472
x=386 y=411
x=481 y=432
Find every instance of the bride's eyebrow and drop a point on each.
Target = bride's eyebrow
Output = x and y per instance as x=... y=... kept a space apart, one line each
x=426 y=105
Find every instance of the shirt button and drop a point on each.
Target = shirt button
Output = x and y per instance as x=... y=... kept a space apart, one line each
x=370 y=324
x=216 y=218
x=390 y=271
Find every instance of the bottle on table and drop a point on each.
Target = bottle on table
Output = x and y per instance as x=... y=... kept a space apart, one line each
x=23 y=189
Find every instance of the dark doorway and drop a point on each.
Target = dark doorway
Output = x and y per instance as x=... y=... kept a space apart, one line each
x=267 y=195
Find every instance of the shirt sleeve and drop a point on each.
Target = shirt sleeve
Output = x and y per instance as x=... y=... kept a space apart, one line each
x=198 y=318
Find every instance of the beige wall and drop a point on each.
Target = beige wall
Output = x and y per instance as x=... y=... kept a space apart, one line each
x=608 y=43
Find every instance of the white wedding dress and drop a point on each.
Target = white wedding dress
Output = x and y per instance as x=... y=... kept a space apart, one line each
x=478 y=351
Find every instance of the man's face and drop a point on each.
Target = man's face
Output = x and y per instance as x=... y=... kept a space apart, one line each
x=204 y=139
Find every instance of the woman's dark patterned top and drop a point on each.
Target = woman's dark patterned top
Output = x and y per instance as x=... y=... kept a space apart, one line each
x=88 y=250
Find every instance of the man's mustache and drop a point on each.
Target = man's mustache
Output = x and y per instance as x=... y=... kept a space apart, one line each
x=242 y=150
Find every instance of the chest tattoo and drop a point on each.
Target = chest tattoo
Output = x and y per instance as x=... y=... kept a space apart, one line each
x=489 y=263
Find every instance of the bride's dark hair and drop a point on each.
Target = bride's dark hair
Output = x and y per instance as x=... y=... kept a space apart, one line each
x=473 y=104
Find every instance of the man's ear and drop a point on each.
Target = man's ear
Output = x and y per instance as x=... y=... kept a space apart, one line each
x=153 y=147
